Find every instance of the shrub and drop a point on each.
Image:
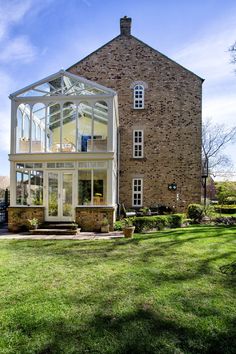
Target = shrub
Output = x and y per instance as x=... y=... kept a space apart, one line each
x=145 y=223
x=176 y=220
x=231 y=200
x=118 y=226
x=227 y=209
x=195 y=212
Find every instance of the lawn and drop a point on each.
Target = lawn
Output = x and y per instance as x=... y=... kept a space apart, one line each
x=167 y=292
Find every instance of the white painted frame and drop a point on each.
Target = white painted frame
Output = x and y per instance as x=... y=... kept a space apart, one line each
x=110 y=156
x=138 y=144
x=137 y=192
x=60 y=216
x=138 y=100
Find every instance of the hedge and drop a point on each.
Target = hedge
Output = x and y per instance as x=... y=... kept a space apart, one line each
x=145 y=223
x=227 y=209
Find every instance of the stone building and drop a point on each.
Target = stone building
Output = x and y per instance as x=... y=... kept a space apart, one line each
x=159 y=105
x=121 y=126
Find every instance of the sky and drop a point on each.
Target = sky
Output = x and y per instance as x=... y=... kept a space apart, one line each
x=40 y=37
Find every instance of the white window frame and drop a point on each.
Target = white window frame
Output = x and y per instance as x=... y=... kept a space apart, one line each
x=138 y=135
x=139 y=96
x=139 y=186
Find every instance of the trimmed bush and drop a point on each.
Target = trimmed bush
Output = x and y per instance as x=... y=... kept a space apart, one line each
x=227 y=209
x=145 y=223
x=231 y=201
x=195 y=212
x=176 y=220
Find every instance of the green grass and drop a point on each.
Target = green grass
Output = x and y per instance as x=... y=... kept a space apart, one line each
x=167 y=292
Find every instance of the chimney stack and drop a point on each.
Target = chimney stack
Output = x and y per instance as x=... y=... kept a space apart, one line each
x=125 y=26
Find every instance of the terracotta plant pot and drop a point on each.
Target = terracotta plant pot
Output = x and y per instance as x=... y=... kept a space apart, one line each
x=129 y=231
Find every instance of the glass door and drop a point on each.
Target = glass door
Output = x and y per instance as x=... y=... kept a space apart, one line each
x=53 y=194
x=67 y=200
x=60 y=196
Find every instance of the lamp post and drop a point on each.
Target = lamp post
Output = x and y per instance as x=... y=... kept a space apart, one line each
x=205 y=172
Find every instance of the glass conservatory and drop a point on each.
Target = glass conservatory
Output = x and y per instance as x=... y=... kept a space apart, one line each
x=64 y=146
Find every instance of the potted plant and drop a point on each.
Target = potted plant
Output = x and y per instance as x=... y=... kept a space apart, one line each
x=105 y=225
x=128 y=228
x=33 y=223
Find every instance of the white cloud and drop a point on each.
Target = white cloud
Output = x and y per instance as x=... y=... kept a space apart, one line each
x=6 y=84
x=11 y=12
x=19 y=48
x=208 y=57
x=221 y=108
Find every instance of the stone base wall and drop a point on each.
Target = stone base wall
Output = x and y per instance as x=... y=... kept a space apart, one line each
x=90 y=218
x=18 y=217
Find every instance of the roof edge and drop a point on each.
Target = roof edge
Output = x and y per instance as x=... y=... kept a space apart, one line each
x=140 y=41
x=60 y=73
x=95 y=51
x=173 y=61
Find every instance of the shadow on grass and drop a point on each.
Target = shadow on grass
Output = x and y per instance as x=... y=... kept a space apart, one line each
x=140 y=331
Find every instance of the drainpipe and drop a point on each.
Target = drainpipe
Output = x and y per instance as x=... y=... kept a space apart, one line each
x=118 y=170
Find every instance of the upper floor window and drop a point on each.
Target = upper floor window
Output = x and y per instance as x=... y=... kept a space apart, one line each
x=138 y=143
x=138 y=96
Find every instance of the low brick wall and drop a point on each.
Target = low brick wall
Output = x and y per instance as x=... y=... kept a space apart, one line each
x=90 y=218
x=18 y=217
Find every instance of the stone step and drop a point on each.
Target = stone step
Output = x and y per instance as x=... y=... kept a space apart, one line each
x=55 y=232
x=58 y=226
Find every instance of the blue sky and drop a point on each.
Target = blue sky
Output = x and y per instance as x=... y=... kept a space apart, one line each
x=39 y=37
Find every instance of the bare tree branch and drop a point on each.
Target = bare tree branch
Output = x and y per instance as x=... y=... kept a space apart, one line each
x=215 y=137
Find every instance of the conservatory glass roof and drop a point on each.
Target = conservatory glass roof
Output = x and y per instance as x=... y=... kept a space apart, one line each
x=63 y=83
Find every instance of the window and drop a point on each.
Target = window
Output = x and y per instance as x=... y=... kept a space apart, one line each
x=29 y=187
x=92 y=187
x=137 y=192
x=138 y=96
x=138 y=143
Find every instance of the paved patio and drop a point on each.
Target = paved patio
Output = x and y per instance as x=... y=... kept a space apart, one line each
x=5 y=235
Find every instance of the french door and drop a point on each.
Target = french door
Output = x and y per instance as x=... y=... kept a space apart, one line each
x=60 y=203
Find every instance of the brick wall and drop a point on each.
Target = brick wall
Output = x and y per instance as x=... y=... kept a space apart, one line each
x=90 y=218
x=18 y=217
x=171 y=119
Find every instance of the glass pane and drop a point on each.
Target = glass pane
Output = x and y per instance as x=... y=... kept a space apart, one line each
x=84 y=127
x=84 y=187
x=23 y=126
x=38 y=128
x=67 y=194
x=53 y=194
x=19 y=132
x=69 y=127
x=100 y=121
x=22 y=185
x=36 y=187
x=99 y=187
x=53 y=127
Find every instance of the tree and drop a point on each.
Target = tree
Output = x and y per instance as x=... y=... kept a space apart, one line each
x=225 y=190
x=215 y=137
